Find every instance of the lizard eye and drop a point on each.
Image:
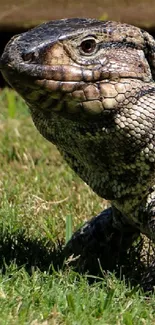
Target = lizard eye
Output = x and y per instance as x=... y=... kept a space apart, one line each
x=88 y=46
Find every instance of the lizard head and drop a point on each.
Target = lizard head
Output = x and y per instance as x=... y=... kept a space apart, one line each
x=78 y=67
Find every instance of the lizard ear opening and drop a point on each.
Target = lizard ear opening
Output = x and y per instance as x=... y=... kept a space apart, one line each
x=149 y=50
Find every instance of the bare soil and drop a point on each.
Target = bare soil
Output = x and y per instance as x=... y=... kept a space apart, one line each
x=21 y=13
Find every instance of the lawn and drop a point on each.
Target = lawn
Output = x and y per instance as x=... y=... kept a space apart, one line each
x=38 y=194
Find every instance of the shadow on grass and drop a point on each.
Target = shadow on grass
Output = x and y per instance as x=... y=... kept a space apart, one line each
x=32 y=253
x=38 y=254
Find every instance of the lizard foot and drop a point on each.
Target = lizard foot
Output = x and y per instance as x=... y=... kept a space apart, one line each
x=98 y=244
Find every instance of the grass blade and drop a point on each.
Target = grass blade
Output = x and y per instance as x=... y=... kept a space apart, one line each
x=68 y=227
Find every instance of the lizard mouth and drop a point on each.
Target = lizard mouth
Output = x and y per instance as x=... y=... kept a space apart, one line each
x=69 y=89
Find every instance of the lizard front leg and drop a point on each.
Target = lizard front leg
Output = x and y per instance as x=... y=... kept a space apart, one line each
x=99 y=243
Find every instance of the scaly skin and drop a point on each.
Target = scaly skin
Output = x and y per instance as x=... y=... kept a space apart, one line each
x=90 y=88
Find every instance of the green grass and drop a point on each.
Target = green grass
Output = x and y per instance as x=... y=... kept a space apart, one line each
x=41 y=202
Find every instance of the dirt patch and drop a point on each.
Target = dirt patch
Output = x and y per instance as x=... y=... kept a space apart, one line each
x=21 y=13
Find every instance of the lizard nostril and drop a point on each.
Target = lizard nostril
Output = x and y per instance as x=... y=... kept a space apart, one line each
x=30 y=56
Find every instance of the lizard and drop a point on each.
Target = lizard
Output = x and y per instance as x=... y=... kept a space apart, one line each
x=90 y=89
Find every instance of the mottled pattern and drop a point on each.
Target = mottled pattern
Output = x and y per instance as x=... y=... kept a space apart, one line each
x=90 y=88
